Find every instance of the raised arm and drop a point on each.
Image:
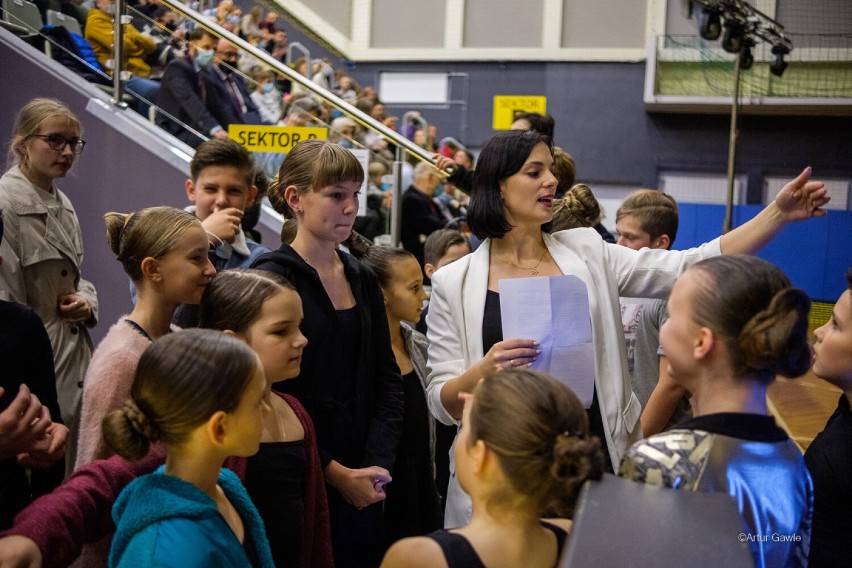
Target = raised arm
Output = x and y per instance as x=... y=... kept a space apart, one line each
x=77 y=512
x=800 y=199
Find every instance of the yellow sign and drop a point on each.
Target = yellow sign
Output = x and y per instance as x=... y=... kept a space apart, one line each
x=260 y=138
x=506 y=107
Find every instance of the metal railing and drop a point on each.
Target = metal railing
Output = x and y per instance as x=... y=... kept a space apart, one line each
x=401 y=143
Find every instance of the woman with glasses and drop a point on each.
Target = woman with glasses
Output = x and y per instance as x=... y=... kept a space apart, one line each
x=43 y=247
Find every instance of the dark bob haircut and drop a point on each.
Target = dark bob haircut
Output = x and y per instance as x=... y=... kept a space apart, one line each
x=502 y=157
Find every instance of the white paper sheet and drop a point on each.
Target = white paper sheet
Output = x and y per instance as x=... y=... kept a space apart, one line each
x=553 y=310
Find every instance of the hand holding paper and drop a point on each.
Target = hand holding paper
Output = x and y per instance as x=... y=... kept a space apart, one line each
x=554 y=311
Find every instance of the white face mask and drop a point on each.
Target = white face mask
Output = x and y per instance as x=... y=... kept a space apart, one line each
x=204 y=57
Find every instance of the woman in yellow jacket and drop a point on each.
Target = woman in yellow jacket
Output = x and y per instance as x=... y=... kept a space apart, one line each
x=100 y=25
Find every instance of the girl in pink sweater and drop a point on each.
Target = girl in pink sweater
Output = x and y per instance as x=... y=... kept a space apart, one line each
x=164 y=251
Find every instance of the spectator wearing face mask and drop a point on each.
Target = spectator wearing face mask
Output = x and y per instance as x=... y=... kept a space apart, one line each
x=227 y=96
x=183 y=92
x=267 y=98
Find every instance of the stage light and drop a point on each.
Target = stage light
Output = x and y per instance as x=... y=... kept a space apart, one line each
x=732 y=41
x=711 y=25
x=779 y=65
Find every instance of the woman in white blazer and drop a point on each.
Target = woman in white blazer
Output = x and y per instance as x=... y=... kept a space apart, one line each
x=511 y=199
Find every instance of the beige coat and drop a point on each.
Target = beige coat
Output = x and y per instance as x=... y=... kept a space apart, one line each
x=42 y=250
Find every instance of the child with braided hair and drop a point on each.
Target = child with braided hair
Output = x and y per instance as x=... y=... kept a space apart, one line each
x=200 y=394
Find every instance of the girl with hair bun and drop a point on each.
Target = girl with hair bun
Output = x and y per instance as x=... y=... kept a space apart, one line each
x=164 y=251
x=284 y=478
x=735 y=322
x=577 y=208
x=199 y=393
x=522 y=453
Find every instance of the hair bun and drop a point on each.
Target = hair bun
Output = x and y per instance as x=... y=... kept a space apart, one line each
x=115 y=224
x=775 y=339
x=574 y=460
x=138 y=421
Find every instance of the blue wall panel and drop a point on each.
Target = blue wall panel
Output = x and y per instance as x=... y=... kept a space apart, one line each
x=815 y=254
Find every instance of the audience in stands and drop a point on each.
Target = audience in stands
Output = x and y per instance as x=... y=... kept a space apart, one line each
x=162 y=28
x=420 y=215
x=227 y=97
x=267 y=97
x=251 y=21
x=136 y=47
x=183 y=110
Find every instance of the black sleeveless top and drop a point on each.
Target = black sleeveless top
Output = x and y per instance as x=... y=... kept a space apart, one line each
x=492 y=321
x=275 y=481
x=460 y=554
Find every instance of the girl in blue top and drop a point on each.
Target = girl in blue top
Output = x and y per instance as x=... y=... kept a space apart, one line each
x=200 y=393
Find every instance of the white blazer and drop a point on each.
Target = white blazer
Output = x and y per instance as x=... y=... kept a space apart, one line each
x=457 y=307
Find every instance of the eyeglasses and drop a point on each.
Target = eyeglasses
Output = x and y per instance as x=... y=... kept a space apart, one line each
x=58 y=143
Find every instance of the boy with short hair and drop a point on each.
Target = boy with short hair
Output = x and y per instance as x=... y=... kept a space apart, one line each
x=221 y=186
x=649 y=218
x=829 y=457
x=441 y=248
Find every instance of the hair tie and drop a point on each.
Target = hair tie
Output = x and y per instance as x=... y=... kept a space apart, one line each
x=138 y=421
x=219 y=242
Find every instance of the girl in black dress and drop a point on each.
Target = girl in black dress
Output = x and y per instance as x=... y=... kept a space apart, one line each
x=413 y=506
x=349 y=381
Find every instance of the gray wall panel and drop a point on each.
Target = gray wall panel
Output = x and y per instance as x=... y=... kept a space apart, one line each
x=407 y=23
x=338 y=13
x=603 y=23
x=503 y=23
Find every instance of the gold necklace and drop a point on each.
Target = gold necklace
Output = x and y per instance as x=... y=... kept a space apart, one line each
x=534 y=269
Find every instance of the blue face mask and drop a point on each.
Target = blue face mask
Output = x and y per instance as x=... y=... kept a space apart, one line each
x=439 y=190
x=204 y=57
x=267 y=88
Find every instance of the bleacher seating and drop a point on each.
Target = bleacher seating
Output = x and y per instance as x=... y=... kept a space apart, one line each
x=55 y=18
x=22 y=17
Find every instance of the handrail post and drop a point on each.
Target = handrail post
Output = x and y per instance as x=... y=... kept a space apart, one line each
x=396 y=204
x=296 y=46
x=118 y=53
